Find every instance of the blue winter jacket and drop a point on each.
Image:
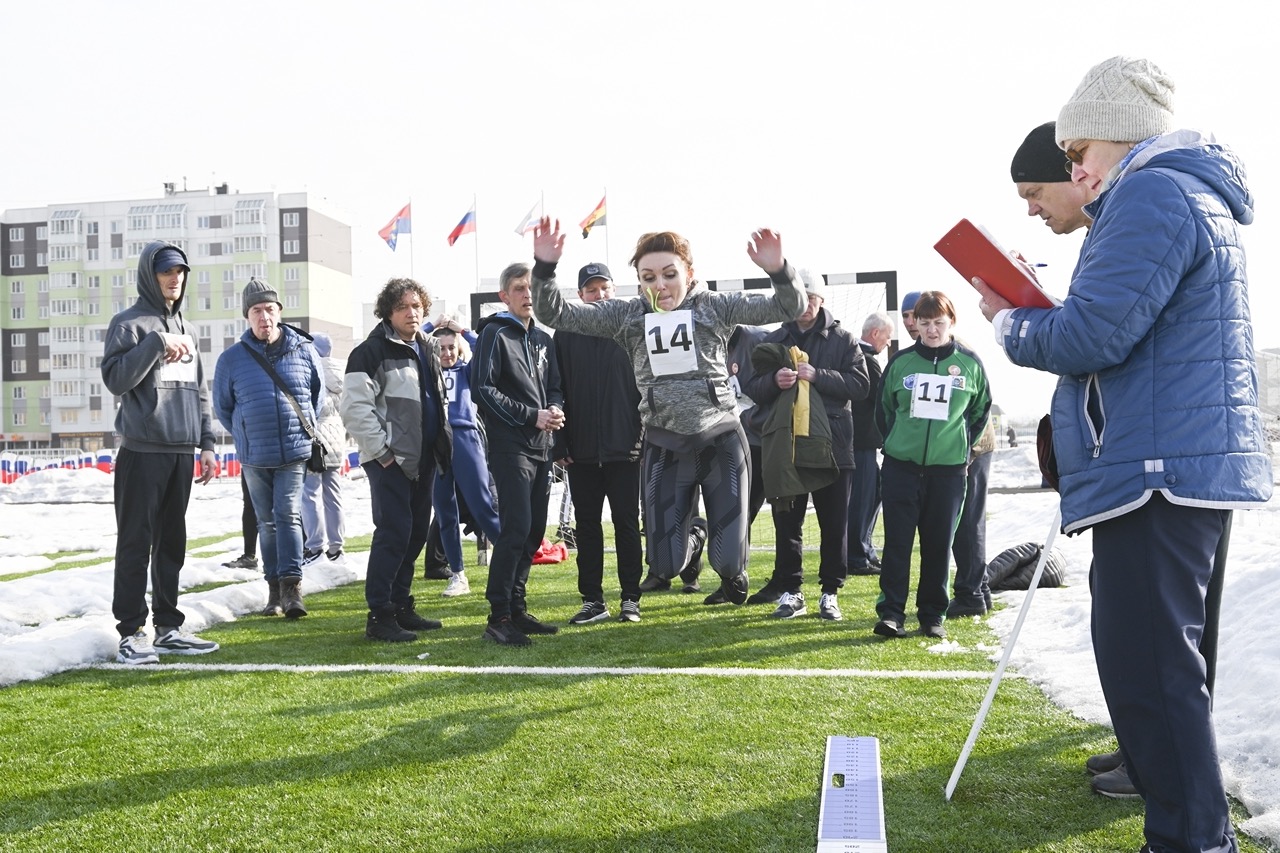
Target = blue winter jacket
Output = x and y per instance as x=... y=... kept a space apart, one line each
x=266 y=431
x=1154 y=344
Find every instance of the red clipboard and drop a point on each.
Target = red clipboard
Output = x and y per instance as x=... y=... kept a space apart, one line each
x=975 y=254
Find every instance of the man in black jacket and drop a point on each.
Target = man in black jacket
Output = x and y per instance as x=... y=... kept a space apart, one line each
x=837 y=373
x=515 y=382
x=864 y=493
x=600 y=449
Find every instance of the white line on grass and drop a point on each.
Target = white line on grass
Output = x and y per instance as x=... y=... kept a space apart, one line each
x=714 y=672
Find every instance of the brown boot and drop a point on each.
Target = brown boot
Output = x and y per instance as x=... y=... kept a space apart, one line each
x=273 y=599
x=291 y=598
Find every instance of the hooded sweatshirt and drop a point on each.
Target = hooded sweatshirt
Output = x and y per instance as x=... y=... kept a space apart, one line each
x=164 y=408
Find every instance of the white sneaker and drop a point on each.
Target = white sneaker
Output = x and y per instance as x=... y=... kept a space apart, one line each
x=457 y=585
x=136 y=649
x=176 y=642
x=790 y=606
x=829 y=607
x=630 y=611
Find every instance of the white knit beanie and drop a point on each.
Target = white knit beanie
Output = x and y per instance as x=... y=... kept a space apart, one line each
x=813 y=283
x=1120 y=100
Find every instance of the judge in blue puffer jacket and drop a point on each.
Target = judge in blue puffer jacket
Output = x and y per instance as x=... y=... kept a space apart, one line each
x=1156 y=424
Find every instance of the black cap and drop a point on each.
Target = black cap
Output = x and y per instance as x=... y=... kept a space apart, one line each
x=1039 y=159
x=168 y=258
x=591 y=271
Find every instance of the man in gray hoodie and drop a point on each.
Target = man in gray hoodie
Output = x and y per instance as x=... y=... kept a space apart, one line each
x=151 y=362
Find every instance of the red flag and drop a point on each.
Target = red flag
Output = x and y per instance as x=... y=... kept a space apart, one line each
x=596 y=217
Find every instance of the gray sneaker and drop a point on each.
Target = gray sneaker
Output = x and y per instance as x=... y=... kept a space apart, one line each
x=136 y=649
x=174 y=641
x=829 y=607
x=592 y=611
x=790 y=605
x=630 y=612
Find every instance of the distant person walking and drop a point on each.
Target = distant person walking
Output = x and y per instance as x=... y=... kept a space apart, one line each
x=152 y=363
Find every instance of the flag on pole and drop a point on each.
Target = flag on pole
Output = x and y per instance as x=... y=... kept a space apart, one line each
x=466 y=226
x=530 y=220
x=596 y=217
x=401 y=223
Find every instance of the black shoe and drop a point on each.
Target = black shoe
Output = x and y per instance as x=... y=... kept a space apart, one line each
x=653 y=583
x=957 y=609
x=441 y=572
x=408 y=618
x=530 y=624
x=1115 y=784
x=933 y=631
x=291 y=598
x=1103 y=763
x=717 y=597
x=735 y=588
x=334 y=555
x=505 y=633
x=244 y=561
x=865 y=570
x=767 y=594
x=889 y=628
x=691 y=586
x=385 y=627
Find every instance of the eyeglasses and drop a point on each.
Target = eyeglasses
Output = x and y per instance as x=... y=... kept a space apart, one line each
x=1075 y=156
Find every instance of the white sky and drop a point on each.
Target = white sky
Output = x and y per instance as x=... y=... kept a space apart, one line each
x=860 y=132
x=58 y=620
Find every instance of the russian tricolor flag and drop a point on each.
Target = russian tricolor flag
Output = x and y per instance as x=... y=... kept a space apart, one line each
x=466 y=226
x=401 y=223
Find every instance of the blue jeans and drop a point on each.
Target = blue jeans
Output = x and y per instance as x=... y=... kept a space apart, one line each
x=277 y=499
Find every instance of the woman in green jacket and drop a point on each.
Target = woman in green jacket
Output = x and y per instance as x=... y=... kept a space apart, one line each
x=933 y=405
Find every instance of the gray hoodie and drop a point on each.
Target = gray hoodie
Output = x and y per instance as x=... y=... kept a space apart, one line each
x=163 y=408
x=688 y=402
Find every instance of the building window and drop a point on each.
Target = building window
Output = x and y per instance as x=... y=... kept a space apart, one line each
x=16 y=235
x=91 y=309
x=139 y=223
x=290 y=220
x=292 y=274
x=228 y=277
x=169 y=220
x=19 y=419
x=68 y=334
x=17 y=312
x=92 y=254
x=202 y=277
x=19 y=393
x=44 y=418
x=95 y=362
x=95 y=416
x=230 y=330
x=65 y=253
x=228 y=303
x=204 y=303
x=42 y=365
x=18 y=339
x=291 y=300
x=17 y=261
x=43 y=285
x=42 y=312
x=249 y=217
x=66 y=280
x=117 y=253
x=42 y=232
x=42 y=339
x=249 y=244
x=135 y=248
x=244 y=272
x=69 y=416
x=93 y=282
x=18 y=365
x=131 y=278
x=91 y=228
x=16 y=286
x=292 y=247
x=42 y=259
x=204 y=330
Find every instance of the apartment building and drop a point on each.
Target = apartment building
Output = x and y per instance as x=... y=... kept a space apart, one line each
x=67 y=268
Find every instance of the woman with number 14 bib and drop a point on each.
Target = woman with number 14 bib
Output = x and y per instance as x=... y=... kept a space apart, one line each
x=677 y=335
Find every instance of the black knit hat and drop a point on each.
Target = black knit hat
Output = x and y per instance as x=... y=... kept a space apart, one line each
x=1039 y=159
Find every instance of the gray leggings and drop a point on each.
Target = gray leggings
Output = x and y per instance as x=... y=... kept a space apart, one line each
x=671 y=483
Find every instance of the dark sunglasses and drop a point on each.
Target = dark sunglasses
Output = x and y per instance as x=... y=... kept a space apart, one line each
x=1074 y=157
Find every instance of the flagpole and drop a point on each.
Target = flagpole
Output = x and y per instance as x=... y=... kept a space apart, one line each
x=476 y=226
x=411 y=238
x=606 y=228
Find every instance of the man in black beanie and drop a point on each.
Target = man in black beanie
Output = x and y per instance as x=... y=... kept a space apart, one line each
x=151 y=362
x=1042 y=174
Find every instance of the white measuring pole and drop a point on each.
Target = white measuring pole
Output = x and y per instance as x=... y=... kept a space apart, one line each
x=1008 y=652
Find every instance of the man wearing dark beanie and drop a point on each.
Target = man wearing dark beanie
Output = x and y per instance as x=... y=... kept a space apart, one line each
x=1042 y=174
x=151 y=362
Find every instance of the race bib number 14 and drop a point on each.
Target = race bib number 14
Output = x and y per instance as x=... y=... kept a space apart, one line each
x=669 y=340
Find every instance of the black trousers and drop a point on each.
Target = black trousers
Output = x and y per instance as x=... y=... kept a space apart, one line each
x=151 y=495
x=831 y=504
x=401 y=515
x=929 y=504
x=524 y=488
x=590 y=485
